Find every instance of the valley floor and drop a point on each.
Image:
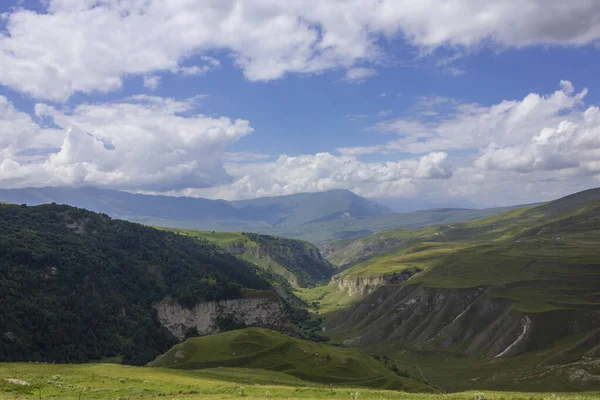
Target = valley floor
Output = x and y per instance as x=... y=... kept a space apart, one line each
x=111 y=381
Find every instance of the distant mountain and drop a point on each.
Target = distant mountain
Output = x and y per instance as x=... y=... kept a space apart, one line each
x=305 y=208
x=399 y=205
x=289 y=210
x=314 y=217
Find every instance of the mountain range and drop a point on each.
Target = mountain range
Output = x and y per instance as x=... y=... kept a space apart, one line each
x=316 y=217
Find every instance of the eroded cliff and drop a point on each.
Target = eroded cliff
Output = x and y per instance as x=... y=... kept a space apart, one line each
x=206 y=317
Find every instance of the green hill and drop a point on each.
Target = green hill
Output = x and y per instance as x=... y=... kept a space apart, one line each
x=269 y=350
x=77 y=285
x=297 y=261
x=523 y=283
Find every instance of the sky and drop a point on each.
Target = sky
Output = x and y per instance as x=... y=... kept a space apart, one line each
x=494 y=103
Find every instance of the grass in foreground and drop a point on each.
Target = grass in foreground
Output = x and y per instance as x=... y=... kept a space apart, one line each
x=110 y=381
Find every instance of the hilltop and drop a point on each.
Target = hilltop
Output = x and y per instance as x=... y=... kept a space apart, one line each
x=263 y=349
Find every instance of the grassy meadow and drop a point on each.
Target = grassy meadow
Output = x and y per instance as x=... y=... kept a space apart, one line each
x=111 y=381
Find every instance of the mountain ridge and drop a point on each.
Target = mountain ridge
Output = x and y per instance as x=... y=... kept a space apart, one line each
x=315 y=217
x=295 y=209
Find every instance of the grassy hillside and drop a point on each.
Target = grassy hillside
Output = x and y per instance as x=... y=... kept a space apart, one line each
x=543 y=257
x=268 y=350
x=101 y=381
x=297 y=261
x=539 y=371
x=510 y=301
x=77 y=285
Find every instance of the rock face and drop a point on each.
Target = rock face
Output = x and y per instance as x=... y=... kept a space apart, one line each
x=365 y=286
x=465 y=319
x=264 y=312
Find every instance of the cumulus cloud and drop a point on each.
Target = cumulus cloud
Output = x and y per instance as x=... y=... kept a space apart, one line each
x=434 y=165
x=446 y=124
x=110 y=39
x=140 y=143
x=568 y=146
x=516 y=151
x=325 y=171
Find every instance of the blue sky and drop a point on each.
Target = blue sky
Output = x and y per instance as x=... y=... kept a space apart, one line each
x=239 y=99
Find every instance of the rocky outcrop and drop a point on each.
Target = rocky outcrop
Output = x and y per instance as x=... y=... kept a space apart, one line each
x=360 y=286
x=466 y=320
x=264 y=312
x=364 y=286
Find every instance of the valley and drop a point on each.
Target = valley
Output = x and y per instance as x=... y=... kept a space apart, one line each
x=508 y=302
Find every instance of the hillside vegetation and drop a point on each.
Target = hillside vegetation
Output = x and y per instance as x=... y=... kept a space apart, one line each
x=269 y=350
x=523 y=284
x=297 y=261
x=77 y=285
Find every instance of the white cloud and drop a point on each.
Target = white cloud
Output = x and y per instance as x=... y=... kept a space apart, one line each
x=434 y=165
x=195 y=70
x=151 y=82
x=139 y=143
x=324 y=171
x=358 y=75
x=568 y=146
x=446 y=124
x=110 y=39
x=516 y=151
x=384 y=113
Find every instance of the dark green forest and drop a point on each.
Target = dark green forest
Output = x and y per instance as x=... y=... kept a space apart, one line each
x=77 y=286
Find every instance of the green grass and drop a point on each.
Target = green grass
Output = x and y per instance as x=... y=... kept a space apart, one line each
x=104 y=381
x=326 y=298
x=543 y=257
x=269 y=350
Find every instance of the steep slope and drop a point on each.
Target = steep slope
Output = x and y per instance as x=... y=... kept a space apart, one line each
x=495 y=288
x=76 y=285
x=268 y=350
x=299 y=262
